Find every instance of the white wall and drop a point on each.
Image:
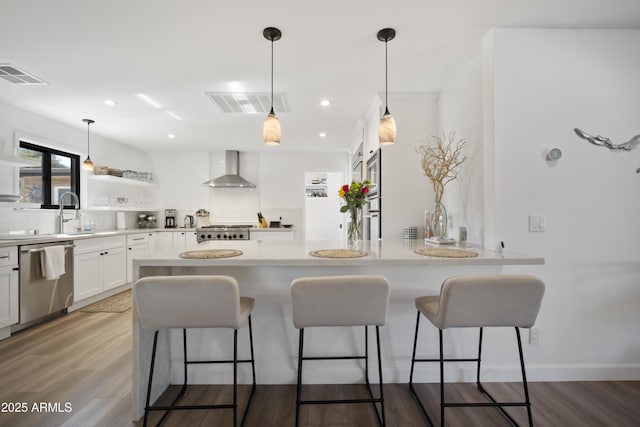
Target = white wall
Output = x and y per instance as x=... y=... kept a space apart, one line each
x=460 y=111
x=543 y=84
x=278 y=175
x=15 y=122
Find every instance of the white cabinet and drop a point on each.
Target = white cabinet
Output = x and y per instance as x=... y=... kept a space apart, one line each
x=161 y=242
x=8 y=286
x=271 y=235
x=137 y=247
x=322 y=217
x=100 y=264
x=184 y=239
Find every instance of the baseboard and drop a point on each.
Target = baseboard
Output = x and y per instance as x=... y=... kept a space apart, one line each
x=422 y=374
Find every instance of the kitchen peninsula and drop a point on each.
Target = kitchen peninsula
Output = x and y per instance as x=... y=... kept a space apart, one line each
x=264 y=271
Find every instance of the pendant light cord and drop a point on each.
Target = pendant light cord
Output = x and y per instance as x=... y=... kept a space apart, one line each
x=386 y=76
x=88 y=147
x=272 y=75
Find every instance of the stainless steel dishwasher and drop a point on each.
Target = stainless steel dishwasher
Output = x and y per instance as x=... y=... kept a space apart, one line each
x=40 y=297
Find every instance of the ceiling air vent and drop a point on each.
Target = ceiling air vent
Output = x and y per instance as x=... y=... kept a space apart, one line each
x=15 y=75
x=249 y=102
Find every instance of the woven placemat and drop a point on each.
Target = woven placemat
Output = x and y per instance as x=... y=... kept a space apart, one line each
x=338 y=253
x=210 y=253
x=446 y=252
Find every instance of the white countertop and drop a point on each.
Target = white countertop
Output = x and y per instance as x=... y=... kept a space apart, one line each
x=396 y=252
x=46 y=238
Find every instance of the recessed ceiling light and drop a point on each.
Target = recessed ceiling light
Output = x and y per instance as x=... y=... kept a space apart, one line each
x=149 y=101
x=322 y=134
x=171 y=136
x=325 y=102
x=174 y=115
x=110 y=102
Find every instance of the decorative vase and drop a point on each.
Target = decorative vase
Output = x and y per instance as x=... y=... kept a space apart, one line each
x=354 y=229
x=439 y=221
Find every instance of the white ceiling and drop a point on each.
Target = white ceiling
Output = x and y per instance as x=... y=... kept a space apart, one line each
x=175 y=51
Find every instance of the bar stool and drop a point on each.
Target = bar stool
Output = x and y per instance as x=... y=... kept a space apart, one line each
x=480 y=301
x=341 y=301
x=166 y=302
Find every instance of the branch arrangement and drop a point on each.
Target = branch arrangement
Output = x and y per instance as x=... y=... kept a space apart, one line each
x=440 y=162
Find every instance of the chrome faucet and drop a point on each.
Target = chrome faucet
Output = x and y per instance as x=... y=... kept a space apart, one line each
x=61 y=216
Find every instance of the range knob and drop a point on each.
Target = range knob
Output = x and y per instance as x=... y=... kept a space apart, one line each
x=235 y=236
x=202 y=237
x=209 y=236
x=241 y=236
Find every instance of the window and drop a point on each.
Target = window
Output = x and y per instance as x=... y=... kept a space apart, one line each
x=58 y=173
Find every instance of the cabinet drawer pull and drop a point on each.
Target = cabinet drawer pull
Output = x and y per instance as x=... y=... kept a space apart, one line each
x=16 y=268
x=4 y=257
x=138 y=238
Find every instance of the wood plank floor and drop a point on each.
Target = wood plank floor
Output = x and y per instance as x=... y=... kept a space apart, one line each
x=84 y=360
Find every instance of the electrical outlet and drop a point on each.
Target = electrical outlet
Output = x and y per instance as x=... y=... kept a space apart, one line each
x=537 y=223
x=534 y=336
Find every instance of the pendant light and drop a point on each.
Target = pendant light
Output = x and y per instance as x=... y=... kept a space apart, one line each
x=88 y=164
x=387 y=130
x=271 y=130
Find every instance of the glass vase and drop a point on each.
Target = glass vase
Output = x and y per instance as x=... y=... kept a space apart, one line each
x=439 y=222
x=354 y=229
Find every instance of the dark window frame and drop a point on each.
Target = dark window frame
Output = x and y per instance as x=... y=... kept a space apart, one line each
x=47 y=173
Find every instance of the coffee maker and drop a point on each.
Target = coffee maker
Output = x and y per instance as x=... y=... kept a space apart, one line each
x=169 y=218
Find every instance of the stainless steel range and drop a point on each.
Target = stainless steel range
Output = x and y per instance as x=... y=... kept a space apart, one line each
x=223 y=232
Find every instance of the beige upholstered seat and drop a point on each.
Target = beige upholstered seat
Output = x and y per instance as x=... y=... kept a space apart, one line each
x=185 y=302
x=489 y=300
x=191 y=302
x=480 y=301
x=341 y=301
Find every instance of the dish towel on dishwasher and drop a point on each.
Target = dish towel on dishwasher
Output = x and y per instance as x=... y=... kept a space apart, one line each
x=52 y=262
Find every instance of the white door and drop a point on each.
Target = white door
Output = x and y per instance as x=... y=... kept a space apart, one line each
x=179 y=240
x=114 y=267
x=163 y=242
x=323 y=219
x=86 y=275
x=135 y=251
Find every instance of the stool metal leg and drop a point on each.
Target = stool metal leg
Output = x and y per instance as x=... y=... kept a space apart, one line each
x=524 y=378
x=253 y=374
x=153 y=362
x=372 y=399
x=413 y=361
x=187 y=362
x=299 y=383
x=384 y=419
x=235 y=378
x=492 y=402
x=442 y=403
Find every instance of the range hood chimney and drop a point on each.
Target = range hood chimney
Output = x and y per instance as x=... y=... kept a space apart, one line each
x=231 y=179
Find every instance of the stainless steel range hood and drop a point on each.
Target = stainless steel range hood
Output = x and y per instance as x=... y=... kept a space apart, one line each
x=231 y=179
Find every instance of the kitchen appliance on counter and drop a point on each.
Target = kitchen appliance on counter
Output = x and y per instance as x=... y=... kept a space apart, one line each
x=223 y=232
x=169 y=218
x=39 y=297
x=203 y=218
x=188 y=221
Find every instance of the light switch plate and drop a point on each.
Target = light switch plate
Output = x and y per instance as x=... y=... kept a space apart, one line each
x=537 y=223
